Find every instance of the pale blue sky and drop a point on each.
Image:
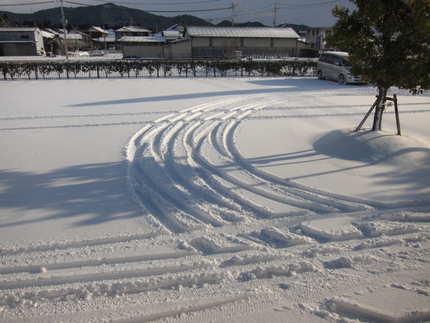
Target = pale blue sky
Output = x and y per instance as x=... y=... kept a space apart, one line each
x=313 y=13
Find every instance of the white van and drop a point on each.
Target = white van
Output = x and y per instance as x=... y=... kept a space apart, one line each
x=336 y=66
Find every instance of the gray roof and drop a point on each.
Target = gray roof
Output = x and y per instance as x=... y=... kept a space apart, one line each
x=254 y=32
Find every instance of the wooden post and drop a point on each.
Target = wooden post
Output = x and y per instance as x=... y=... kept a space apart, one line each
x=36 y=74
x=367 y=115
x=396 y=111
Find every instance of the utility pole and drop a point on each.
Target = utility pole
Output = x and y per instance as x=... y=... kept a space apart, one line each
x=104 y=35
x=275 y=12
x=64 y=30
x=233 y=5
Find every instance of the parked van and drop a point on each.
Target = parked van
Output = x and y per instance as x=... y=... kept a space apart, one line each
x=336 y=66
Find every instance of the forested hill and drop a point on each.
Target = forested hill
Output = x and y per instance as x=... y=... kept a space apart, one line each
x=108 y=15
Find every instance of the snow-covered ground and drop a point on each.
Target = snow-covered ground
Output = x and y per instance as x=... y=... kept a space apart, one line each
x=211 y=200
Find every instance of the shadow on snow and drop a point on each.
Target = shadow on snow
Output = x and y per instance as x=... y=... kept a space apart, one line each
x=92 y=194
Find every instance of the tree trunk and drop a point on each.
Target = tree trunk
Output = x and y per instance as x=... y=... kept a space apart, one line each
x=380 y=107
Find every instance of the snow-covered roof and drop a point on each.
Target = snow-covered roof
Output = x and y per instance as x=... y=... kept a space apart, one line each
x=132 y=29
x=177 y=27
x=104 y=39
x=51 y=31
x=254 y=32
x=47 y=34
x=18 y=29
x=142 y=39
x=171 y=34
x=98 y=29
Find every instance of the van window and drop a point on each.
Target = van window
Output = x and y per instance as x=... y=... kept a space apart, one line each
x=336 y=61
x=323 y=58
x=346 y=62
x=329 y=59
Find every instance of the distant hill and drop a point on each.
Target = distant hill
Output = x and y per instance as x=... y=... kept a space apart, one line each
x=108 y=15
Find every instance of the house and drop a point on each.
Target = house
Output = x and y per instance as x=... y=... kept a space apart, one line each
x=101 y=39
x=76 y=41
x=315 y=37
x=97 y=32
x=133 y=31
x=216 y=43
x=20 y=41
x=105 y=42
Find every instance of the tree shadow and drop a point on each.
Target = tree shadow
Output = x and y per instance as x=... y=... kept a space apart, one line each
x=92 y=194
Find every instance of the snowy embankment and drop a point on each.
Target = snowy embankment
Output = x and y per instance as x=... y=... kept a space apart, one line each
x=246 y=199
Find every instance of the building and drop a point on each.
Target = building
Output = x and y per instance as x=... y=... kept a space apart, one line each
x=140 y=46
x=130 y=31
x=215 y=43
x=97 y=32
x=77 y=41
x=315 y=37
x=225 y=42
x=104 y=41
x=20 y=41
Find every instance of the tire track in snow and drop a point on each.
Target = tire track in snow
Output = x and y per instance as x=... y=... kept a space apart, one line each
x=94 y=262
x=210 y=158
x=184 y=310
x=80 y=244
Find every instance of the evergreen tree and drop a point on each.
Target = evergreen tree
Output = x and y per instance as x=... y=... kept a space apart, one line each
x=389 y=45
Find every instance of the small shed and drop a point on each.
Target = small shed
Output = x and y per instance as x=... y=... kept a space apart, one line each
x=20 y=41
x=138 y=46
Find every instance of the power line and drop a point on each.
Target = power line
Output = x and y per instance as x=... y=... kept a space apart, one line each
x=151 y=11
x=293 y=6
x=159 y=4
x=25 y=4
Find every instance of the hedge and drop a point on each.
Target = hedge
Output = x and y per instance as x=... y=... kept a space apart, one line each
x=158 y=68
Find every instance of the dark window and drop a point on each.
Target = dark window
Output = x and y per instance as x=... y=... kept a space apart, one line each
x=25 y=37
x=323 y=58
x=336 y=61
x=329 y=59
x=346 y=62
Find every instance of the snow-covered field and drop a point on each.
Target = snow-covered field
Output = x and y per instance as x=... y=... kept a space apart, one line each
x=211 y=200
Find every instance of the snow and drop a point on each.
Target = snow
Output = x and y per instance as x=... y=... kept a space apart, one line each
x=211 y=199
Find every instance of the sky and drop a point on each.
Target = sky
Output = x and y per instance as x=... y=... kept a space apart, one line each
x=314 y=13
